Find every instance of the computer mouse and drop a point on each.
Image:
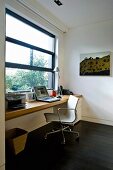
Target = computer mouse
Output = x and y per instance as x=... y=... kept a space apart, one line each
x=59 y=97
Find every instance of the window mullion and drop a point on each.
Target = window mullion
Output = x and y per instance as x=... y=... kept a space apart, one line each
x=31 y=57
x=29 y=67
x=15 y=41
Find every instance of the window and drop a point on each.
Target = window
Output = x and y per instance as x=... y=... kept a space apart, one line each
x=30 y=54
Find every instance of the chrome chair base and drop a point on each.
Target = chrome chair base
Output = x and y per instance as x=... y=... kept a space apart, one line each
x=63 y=129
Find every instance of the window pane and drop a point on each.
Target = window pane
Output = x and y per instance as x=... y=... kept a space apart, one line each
x=41 y=59
x=17 y=54
x=18 y=79
x=23 y=55
x=21 y=31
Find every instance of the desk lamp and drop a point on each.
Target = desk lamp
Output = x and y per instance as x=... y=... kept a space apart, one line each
x=57 y=70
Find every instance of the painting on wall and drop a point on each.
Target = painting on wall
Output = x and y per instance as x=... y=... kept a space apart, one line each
x=97 y=64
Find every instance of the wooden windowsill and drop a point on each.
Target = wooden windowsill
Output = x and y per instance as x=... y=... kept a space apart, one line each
x=33 y=107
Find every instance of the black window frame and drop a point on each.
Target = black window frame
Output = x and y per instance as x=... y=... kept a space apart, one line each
x=33 y=47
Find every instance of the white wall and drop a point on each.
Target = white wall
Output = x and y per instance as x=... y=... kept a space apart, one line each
x=2 y=104
x=97 y=91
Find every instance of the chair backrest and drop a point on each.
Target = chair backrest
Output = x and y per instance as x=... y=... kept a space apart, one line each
x=72 y=104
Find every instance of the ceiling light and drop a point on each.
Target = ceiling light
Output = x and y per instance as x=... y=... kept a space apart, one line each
x=58 y=2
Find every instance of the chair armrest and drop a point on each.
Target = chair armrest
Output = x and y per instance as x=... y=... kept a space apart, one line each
x=64 y=109
x=59 y=109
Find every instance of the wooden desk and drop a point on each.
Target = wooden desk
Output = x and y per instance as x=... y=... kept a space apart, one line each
x=33 y=107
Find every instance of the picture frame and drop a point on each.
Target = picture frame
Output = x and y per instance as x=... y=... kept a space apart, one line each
x=95 y=64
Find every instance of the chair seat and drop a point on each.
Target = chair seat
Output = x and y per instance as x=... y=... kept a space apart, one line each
x=64 y=118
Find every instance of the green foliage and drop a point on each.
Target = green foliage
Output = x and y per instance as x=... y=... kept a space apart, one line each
x=26 y=79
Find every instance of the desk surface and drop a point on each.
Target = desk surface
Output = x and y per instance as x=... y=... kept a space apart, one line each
x=33 y=107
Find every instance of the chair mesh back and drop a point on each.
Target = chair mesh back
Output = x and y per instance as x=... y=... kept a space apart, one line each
x=72 y=103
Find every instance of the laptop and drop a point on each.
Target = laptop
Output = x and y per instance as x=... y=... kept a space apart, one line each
x=43 y=95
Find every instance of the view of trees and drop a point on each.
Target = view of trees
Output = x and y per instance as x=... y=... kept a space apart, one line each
x=26 y=79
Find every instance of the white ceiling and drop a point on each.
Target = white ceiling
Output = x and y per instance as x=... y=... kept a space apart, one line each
x=75 y=13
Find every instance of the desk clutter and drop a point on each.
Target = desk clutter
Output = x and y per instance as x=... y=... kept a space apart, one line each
x=16 y=100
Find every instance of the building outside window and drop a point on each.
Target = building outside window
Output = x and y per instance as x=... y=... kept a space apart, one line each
x=30 y=54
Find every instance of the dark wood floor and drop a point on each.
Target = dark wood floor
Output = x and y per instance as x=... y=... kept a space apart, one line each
x=94 y=151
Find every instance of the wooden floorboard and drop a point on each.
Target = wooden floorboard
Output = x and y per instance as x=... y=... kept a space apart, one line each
x=94 y=151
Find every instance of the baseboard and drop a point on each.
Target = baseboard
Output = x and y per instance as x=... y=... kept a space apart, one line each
x=95 y=120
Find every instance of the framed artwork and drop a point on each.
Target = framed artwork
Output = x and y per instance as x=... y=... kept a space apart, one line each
x=97 y=64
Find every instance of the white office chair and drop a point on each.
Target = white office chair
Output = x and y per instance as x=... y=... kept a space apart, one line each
x=66 y=119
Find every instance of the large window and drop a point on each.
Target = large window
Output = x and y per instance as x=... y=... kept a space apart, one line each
x=30 y=54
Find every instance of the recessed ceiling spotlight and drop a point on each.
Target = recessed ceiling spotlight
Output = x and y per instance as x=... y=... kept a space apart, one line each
x=59 y=3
